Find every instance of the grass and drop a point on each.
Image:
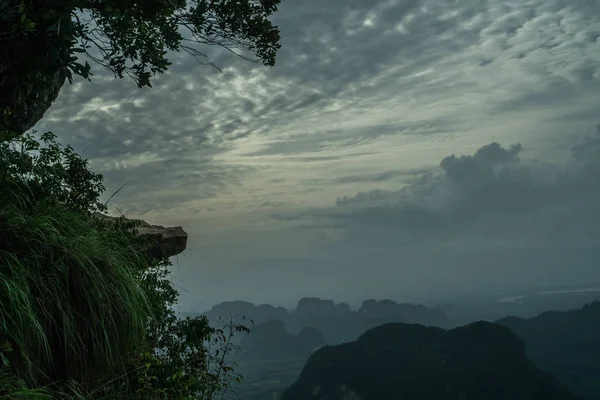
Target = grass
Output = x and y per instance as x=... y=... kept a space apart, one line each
x=12 y=389
x=68 y=291
x=83 y=305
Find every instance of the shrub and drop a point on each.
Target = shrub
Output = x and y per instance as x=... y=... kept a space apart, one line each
x=84 y=310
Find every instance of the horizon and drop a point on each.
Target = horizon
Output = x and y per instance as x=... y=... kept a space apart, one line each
x=508 y=296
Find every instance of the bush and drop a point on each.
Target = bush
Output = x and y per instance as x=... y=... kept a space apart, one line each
x=84 y=311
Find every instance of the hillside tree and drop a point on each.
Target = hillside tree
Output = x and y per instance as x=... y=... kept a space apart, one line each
x=44 y=42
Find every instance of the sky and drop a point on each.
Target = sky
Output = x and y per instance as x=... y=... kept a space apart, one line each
x=401 y=149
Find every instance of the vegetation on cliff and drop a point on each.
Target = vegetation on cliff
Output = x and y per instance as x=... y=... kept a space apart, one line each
x=41 y=43
x=85 y=310
x=69 y=288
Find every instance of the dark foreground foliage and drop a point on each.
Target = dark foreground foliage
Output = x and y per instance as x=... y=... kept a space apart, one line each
x=84 y=311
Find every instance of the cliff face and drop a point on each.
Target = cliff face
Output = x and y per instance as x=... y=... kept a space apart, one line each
x=406 y=361
x=31 y=101
x=32 y=68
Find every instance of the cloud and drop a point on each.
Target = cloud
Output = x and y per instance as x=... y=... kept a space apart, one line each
x=379 y=176
x=485 y=222
x=489 y=198
x=351 y=77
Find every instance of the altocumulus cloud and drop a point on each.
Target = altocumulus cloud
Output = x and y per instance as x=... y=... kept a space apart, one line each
x=352 y=76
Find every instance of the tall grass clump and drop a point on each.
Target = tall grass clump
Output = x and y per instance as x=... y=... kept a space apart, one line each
x=71 y=303
x=86 y=310
x=14 y=389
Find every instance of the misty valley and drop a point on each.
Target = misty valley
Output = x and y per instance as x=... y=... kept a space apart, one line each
x=543 y=345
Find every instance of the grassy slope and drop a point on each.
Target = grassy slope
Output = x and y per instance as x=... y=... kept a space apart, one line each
x=67 y=292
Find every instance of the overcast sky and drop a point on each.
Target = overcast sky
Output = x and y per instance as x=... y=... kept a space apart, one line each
x=397 y=148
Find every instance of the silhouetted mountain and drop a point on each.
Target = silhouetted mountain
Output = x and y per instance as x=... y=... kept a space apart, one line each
x=410 y=313
x=257 y=313
x=270 y=339
x=565 y=344
x=336 y=321
x=410 y=361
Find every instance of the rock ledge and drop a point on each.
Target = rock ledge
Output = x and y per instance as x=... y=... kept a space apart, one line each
x=169 y=241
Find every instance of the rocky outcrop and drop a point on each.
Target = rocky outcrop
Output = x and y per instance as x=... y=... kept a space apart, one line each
x=409 y=361
x=31 y=101
x=32 y=70
x=167 y=241
x=310 y=307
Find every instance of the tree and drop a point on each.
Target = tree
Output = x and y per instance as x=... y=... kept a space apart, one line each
x=41 y=41
x=133 y=36
x=84 y=309
x=82 y=306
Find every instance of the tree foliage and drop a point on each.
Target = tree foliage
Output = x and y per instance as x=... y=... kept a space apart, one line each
x=68 y=285
x=133 y=37
x=184 y=358
x=84 y=311
x=43 y=170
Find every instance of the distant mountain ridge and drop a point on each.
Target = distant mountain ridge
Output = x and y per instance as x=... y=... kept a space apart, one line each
x=271 y=340
x=336 y=321
x=558 y=348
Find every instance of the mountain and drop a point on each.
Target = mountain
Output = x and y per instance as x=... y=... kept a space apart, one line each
x=410 y=361
x=565 y=344
x=271 y=340
x=336 y=321
x=411 y=313
x=257 y=313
